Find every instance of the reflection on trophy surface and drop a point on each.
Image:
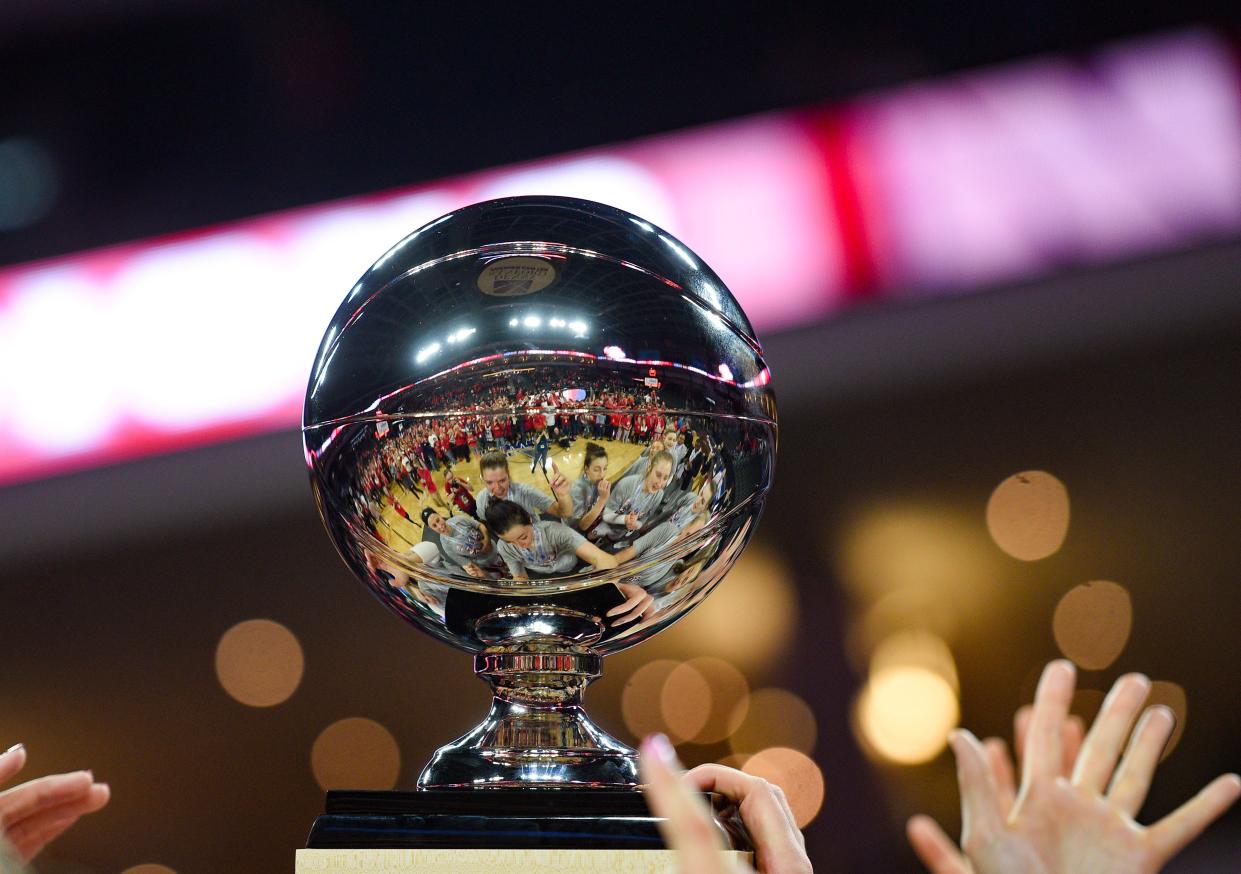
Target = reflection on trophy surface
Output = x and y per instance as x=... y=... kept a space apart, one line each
x=541 y=430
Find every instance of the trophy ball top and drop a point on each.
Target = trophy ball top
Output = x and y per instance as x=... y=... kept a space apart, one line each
x=540 y=418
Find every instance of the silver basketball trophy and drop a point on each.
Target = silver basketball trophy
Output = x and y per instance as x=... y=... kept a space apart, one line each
x=500 y=340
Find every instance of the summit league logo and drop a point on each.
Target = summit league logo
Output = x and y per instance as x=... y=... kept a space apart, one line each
x=516 y=275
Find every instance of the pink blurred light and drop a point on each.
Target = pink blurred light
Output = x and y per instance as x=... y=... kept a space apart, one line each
x=1005 y=174
x=934 y=188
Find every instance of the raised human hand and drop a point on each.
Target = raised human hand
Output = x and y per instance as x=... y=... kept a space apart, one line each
x=605 y=489
x=1000 y=763
x=779 y=847
x=638 y=604
x=558 y=483
x=633 y=521
x=1080 y=820
x=37 y=812
x=394 y=576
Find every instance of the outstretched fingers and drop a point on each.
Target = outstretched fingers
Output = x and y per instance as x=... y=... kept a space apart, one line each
x=934 y=848
x=23 y=801
x=981 y=813
x=33 y=843
x=1002 y=773
x=638 y=602
x=1172 y=833
x=1021 y=730
x=1107 y=736
x=1043 y=748
x=29 y=835
x=12 y=761
x=1072 y=734
x=1133 y=777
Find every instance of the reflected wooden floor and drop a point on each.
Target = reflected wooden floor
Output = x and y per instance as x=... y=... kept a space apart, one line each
x=402 y=534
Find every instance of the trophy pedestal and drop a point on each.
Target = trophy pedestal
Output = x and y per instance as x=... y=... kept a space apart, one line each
x=496 y=829
x=488 y=861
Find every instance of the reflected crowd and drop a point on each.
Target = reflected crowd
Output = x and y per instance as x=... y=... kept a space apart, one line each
x=531 y=481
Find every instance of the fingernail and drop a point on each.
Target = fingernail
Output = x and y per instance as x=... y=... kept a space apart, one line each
x=14 y=748
x=1168 y=710
x=658 y=745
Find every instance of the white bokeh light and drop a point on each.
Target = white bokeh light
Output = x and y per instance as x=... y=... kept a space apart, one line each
x=205 y=336
x=61 y=346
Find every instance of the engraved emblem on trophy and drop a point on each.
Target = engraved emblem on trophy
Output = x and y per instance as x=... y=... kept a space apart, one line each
x=572 y=411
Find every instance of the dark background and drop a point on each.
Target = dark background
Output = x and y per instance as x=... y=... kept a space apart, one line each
x=175 y=114
x=165 y=116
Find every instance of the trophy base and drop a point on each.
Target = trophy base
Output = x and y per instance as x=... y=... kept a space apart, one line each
x=473 y=861
x=499 y=819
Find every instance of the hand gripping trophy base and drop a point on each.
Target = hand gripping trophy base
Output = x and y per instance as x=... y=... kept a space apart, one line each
x=537 y=733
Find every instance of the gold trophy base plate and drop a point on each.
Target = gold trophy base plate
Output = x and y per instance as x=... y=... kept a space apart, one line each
x=490 y=861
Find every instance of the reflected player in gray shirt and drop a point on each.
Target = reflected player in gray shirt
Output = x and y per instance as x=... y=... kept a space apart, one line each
x=679 y=450
x=540 y=548
x=498 y=485
x=685 y=520
x=591 y=490
x=635 y=501
x=465 y=544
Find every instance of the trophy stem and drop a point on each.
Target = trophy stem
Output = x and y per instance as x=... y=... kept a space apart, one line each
x=537 y=733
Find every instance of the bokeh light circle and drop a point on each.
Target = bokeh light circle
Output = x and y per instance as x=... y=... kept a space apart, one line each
x=730 y=695
x=776 y=718
x=1028 y=515
x=915 y=647
x=1092 y=623
x=259 y=662
x=760 y=587
x=795 y=773
x=898 y=612
x=641 y=699
x=736 y=760
x=726 y=704
x=904 y=714
x=355 y=753
x=685 y=702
